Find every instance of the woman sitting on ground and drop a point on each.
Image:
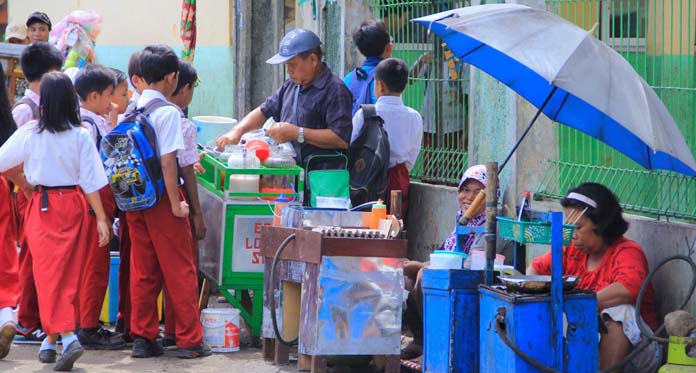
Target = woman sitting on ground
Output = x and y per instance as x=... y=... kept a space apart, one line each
x=612 y=266
x=472 y=182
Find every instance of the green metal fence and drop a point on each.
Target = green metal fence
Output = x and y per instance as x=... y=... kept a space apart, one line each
x=658 y=40
x=438 y=87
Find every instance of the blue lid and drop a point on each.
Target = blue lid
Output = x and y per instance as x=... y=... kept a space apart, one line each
x=282 y=198
x=457 y=253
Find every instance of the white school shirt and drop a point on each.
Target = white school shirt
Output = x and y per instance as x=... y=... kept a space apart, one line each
x=103 y=124
x=54 y=159
x=22 y=113
x=403 y=125
x=166 y=121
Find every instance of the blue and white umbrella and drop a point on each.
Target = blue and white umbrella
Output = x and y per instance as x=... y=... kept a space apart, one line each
x=568 y=74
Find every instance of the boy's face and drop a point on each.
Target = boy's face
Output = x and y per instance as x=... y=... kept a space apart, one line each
x=186 y=95
x=37 y=32
x=120 y=97
x=379 y=88
x=101 y=102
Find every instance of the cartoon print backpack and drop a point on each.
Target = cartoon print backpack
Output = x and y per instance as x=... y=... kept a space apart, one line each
x=131 y=160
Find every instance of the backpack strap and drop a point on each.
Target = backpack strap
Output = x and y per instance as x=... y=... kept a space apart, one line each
x=370 y=115
x=96 y=129
x=35 y=114
x=153 y=105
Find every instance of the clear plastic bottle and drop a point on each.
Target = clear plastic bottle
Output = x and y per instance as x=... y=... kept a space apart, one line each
x=244 y=183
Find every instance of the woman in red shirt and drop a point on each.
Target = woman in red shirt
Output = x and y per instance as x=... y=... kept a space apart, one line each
x=612 y=266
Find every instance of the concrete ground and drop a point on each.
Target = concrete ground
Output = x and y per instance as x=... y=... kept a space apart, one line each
x=22 y=358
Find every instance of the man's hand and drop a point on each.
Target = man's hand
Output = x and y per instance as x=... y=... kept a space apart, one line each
x=199 y=228
x=284 y=132
x=230 y=138
x=180 y=210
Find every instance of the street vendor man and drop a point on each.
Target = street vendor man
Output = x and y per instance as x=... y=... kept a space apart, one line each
x=313 y=107
x=615 y=268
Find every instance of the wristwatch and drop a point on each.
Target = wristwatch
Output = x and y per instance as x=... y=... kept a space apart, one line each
x=300 y=135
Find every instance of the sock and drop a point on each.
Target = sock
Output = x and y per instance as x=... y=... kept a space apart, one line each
x=6 y=315
x=47 y=346
x=68 y=340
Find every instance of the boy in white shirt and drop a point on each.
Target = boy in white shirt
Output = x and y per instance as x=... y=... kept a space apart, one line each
x=161 y=235
x=95 y=85
x=403 y=125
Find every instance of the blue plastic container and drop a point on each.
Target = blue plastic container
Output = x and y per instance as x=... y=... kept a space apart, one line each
x=451 y=320
x=109 y=311
x=528 y=325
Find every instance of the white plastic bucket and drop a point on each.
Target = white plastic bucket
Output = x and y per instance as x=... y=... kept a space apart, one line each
x=221 y=329
x=478 y=259
x=210 y=128
x=446 y=260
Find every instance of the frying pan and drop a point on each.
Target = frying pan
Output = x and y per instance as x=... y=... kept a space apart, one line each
x=535 y=284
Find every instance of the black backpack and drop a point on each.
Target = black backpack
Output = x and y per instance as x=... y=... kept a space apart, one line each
x=369 y=159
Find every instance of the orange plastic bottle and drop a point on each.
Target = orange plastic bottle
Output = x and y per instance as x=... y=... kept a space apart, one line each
x=280 y=202
x=379 y=212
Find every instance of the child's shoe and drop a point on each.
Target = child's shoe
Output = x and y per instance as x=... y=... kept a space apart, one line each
x=143 y=348
x=7 y=333
x=100 y=339
x=69 y=356
x=47 y=356
x=191 y=353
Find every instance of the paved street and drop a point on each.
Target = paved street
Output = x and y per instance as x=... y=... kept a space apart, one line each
x=22 y=358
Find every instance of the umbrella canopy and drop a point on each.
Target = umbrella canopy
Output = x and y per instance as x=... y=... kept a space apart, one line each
x=583 y=82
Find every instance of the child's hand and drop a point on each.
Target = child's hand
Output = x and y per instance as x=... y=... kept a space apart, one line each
x=113 y=114
x=181 y=210
x=197 y=168
x=199 y=228
x=104 y=231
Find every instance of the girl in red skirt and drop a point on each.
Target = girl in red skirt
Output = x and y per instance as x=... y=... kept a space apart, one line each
x=62 y=163
x=9 y=278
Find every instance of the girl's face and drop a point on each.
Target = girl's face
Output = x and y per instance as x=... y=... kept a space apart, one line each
x=120 y=98
x=467 y=193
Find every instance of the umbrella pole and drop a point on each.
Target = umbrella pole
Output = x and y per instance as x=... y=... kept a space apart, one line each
x=529 y=127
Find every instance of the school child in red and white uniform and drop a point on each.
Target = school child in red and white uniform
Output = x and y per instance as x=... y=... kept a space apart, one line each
x=188 y=158
x=95 y=85
x=57 y=215
x=36 y=60
x=161 y=235
x=9 y=264
x=124 y=299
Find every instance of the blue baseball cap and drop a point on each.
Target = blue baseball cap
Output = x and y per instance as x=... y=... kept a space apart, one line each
x=295 y=42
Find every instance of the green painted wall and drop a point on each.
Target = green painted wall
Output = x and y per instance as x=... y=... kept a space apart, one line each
x=215 y=67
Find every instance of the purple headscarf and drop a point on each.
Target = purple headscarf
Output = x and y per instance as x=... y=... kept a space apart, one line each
x=477 y=173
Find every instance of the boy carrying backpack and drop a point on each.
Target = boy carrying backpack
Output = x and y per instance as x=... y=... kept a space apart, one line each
x=373 y=42
x=403 y=126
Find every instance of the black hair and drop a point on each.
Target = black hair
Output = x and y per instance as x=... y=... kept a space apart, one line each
x=39 y=58
x=316 y=51
x=371 y=37
x=393 y=72
x=119 y=75
x=156 y=62
x=187 y=76
x=94 y=78
x=607 y=216
x=7 y=123
x=60 y=110
x=134 y=65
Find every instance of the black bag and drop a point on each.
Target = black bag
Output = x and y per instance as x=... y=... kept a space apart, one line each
x=369 y=159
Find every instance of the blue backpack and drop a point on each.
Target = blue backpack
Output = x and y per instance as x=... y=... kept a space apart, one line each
x=360 y=81
x=131 y=160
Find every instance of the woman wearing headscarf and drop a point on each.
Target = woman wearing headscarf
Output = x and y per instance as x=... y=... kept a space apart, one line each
x=472 y=182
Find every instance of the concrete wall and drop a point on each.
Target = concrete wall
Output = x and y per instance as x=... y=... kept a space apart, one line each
x=129 y=25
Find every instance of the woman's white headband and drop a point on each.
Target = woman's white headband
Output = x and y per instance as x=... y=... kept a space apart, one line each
x=584 y=199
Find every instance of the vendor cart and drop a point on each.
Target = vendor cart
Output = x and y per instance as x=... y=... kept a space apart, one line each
x=230 y=254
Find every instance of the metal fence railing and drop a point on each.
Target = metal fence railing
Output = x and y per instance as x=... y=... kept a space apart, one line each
x=658 y=39
x=438 y=87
